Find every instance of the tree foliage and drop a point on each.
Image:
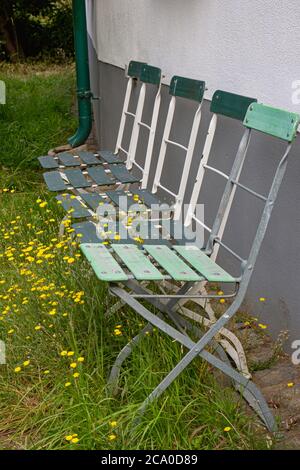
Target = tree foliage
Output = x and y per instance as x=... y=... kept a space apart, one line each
x=35 y=28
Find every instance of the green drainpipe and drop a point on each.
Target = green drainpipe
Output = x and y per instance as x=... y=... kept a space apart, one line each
x=84 y=94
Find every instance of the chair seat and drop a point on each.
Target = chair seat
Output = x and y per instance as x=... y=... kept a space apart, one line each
x=87 y=232
x=153 y=262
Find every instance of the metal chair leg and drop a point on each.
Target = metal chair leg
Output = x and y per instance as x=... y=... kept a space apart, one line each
x=252 y=394
x=122 y=356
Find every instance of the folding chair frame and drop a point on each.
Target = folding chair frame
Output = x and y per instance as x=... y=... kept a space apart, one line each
x=110 y=162
x=193 y=90
x=277 y=123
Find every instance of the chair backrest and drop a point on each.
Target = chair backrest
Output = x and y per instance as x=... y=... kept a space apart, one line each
x=150 y=76
x=145 y=74
x=228 y=105
x=192 y=90
x=281 y=125
x=132 y=73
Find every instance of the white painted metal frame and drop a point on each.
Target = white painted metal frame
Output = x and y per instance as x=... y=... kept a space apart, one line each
x=203 y=166
x=138 y=123
x=189 y=151
x=136 y=116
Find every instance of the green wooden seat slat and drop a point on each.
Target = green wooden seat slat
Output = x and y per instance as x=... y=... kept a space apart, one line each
x=54 y=181
x=187 y=88
x=48 y=162
x=168 y=259
x=77 y=179
x=73 y=206
x=276 y=122
x=89 y=158
x=138 y=263
x=121 y=174
x=98 y=174
x=230 y=104
x=109 y=157
x=103 y=263
x=203 y=264
x=121 y=199
x=67 y=159
x=146 y=197
x=93 y=200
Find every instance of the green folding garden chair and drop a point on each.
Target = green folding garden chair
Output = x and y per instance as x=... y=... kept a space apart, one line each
x=86 y=172
x=126 y=267
x=136 y=197
x=223 y=104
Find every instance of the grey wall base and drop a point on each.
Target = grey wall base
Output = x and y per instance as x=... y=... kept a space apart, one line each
x=277 y=272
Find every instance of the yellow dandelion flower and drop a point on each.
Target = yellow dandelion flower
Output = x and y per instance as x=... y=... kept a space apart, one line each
x=117 y=332
x=37 y=327
x=227 y=429
x=71 y=260
x=262 y=299
x=64 y=353
x=113 y=424
x=10 y=332
x=75 y=375
x=70 y=353
x=75 y=440
x=26 y=363
x=263 y=327
x=73 y=365
x=80 y=359
x=222 y=301
x=290 y=384
x=112 y=437
x=43 y=204
x=69 y=437
x=17 y=369
x=67 y=384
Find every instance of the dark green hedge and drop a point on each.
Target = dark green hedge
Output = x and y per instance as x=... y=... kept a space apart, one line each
x=40 y=29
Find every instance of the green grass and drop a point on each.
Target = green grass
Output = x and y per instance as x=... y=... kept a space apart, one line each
x=50 y=302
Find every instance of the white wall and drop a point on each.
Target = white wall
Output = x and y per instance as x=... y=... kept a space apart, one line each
x=245 y=46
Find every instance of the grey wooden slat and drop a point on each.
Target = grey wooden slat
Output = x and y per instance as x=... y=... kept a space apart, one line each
x=109 y=157
x=89 y=158
x=67 y=159
x=121 y=199
x=146 y=197
x=87 y=232
x=93 y=200
x=48 y=162
x=73 y=206
x=98 y=174
x=54 y=181
x=121 y=174
x=77 y=179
